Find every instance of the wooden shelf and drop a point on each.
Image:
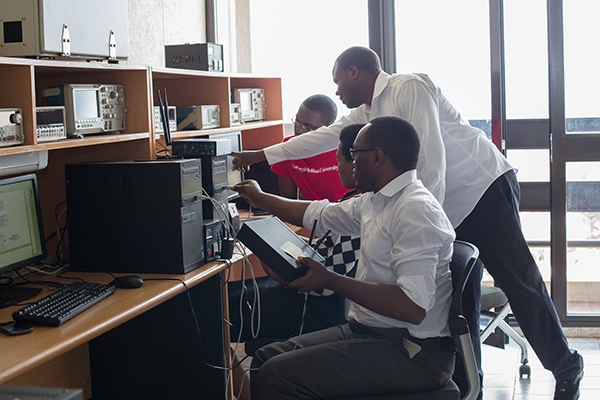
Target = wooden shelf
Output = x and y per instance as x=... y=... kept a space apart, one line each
x=187 y=88
x=235 y=128
x=23 y=81
x=74 y=143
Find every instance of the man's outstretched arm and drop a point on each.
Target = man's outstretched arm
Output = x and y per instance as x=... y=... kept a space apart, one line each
x=288 y=210
x=244 y=159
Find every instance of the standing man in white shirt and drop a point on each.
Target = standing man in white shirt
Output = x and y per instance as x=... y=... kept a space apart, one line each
x=398 y=338
x=471 y=179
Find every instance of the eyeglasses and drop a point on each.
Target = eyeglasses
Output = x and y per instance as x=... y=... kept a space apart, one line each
x=303 y=127
x=353 y=152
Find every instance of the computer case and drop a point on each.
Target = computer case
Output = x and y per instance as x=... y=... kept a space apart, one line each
x=135 y=216
x=214 y=180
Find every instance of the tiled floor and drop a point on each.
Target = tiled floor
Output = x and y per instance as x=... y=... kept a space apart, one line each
x=502 y=382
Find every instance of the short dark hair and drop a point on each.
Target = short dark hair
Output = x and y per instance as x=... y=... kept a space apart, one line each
x=363 y=58
x=398 y=139
x=322 y=104
x=347 y=138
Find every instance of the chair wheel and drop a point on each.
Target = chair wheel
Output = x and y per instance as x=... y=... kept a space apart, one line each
x=524 y=370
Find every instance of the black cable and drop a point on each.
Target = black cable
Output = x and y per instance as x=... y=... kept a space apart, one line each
x=51 y=284
x=63 y=232
x=193 y=310
x=229 y=264
x=69 y=277
x=8 y=282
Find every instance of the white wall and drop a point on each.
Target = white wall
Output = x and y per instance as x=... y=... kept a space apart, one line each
x=156 y=23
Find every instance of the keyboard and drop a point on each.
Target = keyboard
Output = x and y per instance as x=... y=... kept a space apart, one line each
x=63 y=304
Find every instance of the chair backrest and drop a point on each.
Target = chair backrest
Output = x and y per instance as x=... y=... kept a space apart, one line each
x=463 y=259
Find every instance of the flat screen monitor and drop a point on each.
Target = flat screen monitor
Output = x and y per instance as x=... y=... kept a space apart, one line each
x=233 y=177
x=21 y=233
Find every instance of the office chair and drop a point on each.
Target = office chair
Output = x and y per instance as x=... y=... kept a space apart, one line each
x=493 y=297
x=464 y=258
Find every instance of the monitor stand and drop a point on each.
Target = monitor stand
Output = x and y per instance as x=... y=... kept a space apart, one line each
x=11 y=295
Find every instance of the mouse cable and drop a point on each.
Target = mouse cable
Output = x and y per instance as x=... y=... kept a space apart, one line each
x=51 y=284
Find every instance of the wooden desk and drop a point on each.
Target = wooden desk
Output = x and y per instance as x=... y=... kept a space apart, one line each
x=137 y=341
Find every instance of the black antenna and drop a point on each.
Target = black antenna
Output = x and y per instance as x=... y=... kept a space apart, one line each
x=322 y=239
x=164 y=117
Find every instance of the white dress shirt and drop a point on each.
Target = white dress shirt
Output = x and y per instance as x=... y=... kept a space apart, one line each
x=457 y=163
x=406 y=240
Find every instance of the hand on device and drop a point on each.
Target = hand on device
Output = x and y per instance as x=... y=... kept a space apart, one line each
x=317 y=276
x=250 y=190
x=244 y=159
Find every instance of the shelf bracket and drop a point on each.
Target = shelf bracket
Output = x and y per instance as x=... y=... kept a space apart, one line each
x=112 y=46
x=66 y=41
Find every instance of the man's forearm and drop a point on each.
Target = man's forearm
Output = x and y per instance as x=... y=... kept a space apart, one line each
x=384 y=299
x=288 y=210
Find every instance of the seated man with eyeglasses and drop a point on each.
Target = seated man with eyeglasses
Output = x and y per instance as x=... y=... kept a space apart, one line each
x=316 y=177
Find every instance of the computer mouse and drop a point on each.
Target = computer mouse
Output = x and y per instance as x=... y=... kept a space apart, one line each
x=128 y=282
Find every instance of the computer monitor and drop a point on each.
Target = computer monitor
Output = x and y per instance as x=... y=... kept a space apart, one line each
x=21 y=233
x=233 y=177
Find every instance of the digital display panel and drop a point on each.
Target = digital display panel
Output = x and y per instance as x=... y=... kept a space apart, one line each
x=49 y=117
x=86 y=104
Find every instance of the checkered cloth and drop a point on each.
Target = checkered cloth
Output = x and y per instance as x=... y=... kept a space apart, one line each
x=341 y=256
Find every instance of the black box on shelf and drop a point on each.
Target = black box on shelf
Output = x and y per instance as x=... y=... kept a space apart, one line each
x=199 y=56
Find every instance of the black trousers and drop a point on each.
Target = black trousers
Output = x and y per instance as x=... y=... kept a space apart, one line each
x=350 y=360
x=494 y=227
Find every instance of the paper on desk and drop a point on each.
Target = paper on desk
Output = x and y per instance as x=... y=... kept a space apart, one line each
x=292 y=250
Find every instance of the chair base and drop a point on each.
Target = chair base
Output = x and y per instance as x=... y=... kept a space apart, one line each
x=447 y=392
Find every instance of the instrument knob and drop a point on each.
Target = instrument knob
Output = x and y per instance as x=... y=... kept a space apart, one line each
x=16 y=118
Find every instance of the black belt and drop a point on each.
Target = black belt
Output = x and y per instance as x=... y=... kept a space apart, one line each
x=446 y=343
x=395 y=334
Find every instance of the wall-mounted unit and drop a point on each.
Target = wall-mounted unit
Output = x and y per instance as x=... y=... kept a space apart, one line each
x=64 y=28
x=13 y=164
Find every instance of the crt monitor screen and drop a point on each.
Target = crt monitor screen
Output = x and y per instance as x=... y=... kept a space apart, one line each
x=21 y=234
x=233 y=177
x=245 y=101
x=86 y=103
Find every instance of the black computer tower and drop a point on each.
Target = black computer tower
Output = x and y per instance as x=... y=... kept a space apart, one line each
x=214 y=180
x=135 y=216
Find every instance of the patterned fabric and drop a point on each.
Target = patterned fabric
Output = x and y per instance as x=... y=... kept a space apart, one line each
x=341 y=256
x=340 y=253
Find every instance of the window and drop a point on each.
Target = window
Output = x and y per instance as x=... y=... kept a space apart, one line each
x=450 y=42
x=582 y=83
x=526 y=57
x=300 y=41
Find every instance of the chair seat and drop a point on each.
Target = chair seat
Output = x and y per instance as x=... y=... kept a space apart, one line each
x=492 y=296
x=447 y=392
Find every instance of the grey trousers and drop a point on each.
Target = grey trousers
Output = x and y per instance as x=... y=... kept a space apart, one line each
x=350 y=360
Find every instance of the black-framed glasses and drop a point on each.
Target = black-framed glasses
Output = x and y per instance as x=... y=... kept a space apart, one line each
x=353 y=152
x=303 y=127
